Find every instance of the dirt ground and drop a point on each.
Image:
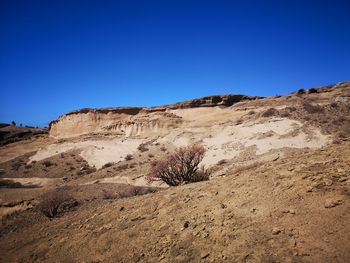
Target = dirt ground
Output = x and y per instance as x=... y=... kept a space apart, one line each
x=289 y=210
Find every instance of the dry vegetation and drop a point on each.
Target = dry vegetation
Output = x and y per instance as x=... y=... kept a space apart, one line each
x=179 y=167
x=52 y=201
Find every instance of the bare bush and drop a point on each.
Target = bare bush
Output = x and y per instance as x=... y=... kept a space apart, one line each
x=128 y=157
x=311 y=108
x=221 y=162
x=48 y=163
x=4 y=183
x=107 y=165
x=180 y=167
x=142 y=148
x=313 y=90
x=301 y=91
x=51 y=201
x=269 y=112
x=132 y=190
x=86 y=169
x=241 y=168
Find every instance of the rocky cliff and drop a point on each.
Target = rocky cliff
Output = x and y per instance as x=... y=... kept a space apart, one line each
x=131 y=121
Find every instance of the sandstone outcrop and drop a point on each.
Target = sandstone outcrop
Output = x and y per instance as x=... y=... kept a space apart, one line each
x=131 y=121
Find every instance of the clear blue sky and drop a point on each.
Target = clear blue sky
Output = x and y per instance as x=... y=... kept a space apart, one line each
x=57 y=56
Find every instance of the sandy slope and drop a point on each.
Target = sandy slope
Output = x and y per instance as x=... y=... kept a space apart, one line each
x=95 y=152
x=290 y=210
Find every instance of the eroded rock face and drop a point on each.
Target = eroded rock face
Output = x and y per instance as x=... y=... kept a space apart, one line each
x=132 y=121
x=71 y=125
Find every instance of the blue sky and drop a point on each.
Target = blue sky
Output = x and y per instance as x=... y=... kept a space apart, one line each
x=57 y=56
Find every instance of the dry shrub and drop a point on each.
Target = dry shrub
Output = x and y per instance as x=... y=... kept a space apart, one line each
x=108 y=195
x=221 y=162
x=269 y=112
x=180 y=167
x=132 y=190
x=142 y=148
x=17 y=165
x=107 y=165
x=313 y=90
x=128 y=157
x=86 y=169
x=50 y=202
x=239 y=122
x=48 y=163
x=4 y=183
x=241 y=168
x=311 y=108
x=301 y=91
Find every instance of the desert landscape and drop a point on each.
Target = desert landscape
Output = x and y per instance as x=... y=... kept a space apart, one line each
x=275 y=185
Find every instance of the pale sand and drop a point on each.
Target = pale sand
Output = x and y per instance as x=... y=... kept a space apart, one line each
x=95 y=152
x=227 y=142
x=222 y=141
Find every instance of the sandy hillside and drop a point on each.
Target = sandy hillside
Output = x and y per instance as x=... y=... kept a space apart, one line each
x=278 y=189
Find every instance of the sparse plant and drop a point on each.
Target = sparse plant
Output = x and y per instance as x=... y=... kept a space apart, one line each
x=128 y=157
x=301 y=91
x=311 y=108
x=51 y=201
x=313 y=90
x=108 y=195
x=221 y=162
x=241 y=168
x=142 y=148
x=86 y=169
x=180 y=167
x=132 y=190
x=47 y=163
x=16 y=165
x=4 y=183
x=269 y=112
x=107 y=165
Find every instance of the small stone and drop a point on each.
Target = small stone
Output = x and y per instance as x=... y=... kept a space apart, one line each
x=292 y=242
x=204 y=255
x=340 y=170
x=253 y=210
x=332 y=203
x=328 y=182
x=275 y=231
x=309 y=189
x=186 y=224
x=121 y=208
x=291 y=211
x=223 y=206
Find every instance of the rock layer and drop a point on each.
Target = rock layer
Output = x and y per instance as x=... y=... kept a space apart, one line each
x=132 y=121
